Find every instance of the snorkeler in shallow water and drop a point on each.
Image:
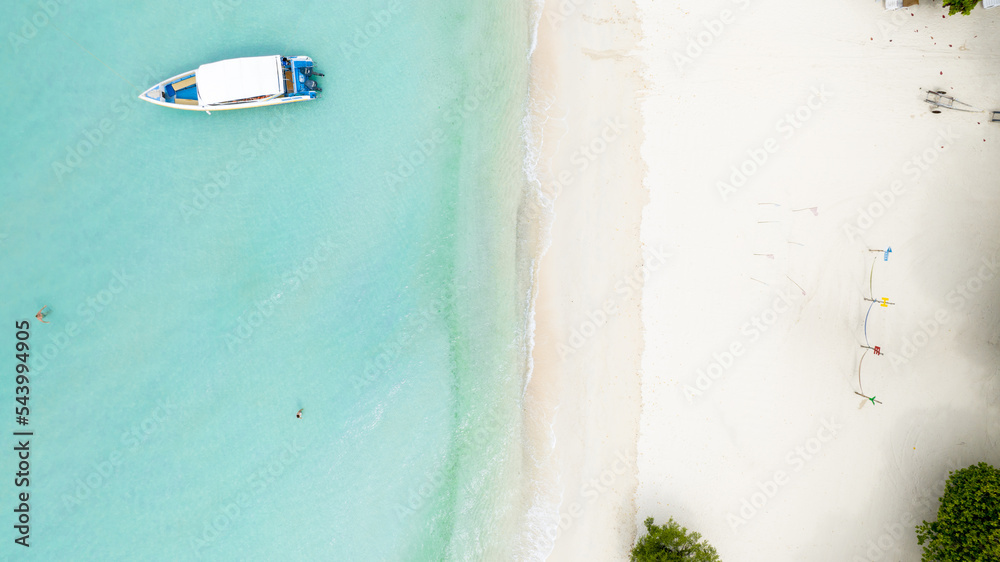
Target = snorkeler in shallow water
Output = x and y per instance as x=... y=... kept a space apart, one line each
x=299 y=413
x=41 y=316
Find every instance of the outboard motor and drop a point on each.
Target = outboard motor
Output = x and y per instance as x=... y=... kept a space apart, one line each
x=311 y=84
x=308 y=71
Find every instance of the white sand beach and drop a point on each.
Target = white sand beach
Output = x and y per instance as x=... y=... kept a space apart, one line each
x=780 y=142
x=769 y=453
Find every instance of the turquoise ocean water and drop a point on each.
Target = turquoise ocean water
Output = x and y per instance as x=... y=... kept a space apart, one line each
x=358 y=257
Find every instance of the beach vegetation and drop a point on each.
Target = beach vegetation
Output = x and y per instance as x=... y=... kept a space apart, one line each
x=968 y=522
x=672 y=543
x=956 y=6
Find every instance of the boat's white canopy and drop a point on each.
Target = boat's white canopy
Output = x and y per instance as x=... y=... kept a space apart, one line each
x=237 y=79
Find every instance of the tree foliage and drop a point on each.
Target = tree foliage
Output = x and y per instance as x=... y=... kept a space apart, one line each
x=956 y=6
x=672 y=543
x=968 y=522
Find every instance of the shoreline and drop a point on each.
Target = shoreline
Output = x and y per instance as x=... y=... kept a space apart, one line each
x=582 y=401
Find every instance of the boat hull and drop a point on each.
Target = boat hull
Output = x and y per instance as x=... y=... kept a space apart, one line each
x=181 y=92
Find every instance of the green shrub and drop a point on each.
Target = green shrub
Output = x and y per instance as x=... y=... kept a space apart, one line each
x=956 y=6
x=672 y=543
x=968 y=522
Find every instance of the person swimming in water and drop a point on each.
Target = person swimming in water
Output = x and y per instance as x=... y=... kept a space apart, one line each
x=299 y=413
x=41 y=316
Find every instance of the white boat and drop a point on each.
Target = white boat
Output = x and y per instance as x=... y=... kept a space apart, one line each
x=238 y=83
